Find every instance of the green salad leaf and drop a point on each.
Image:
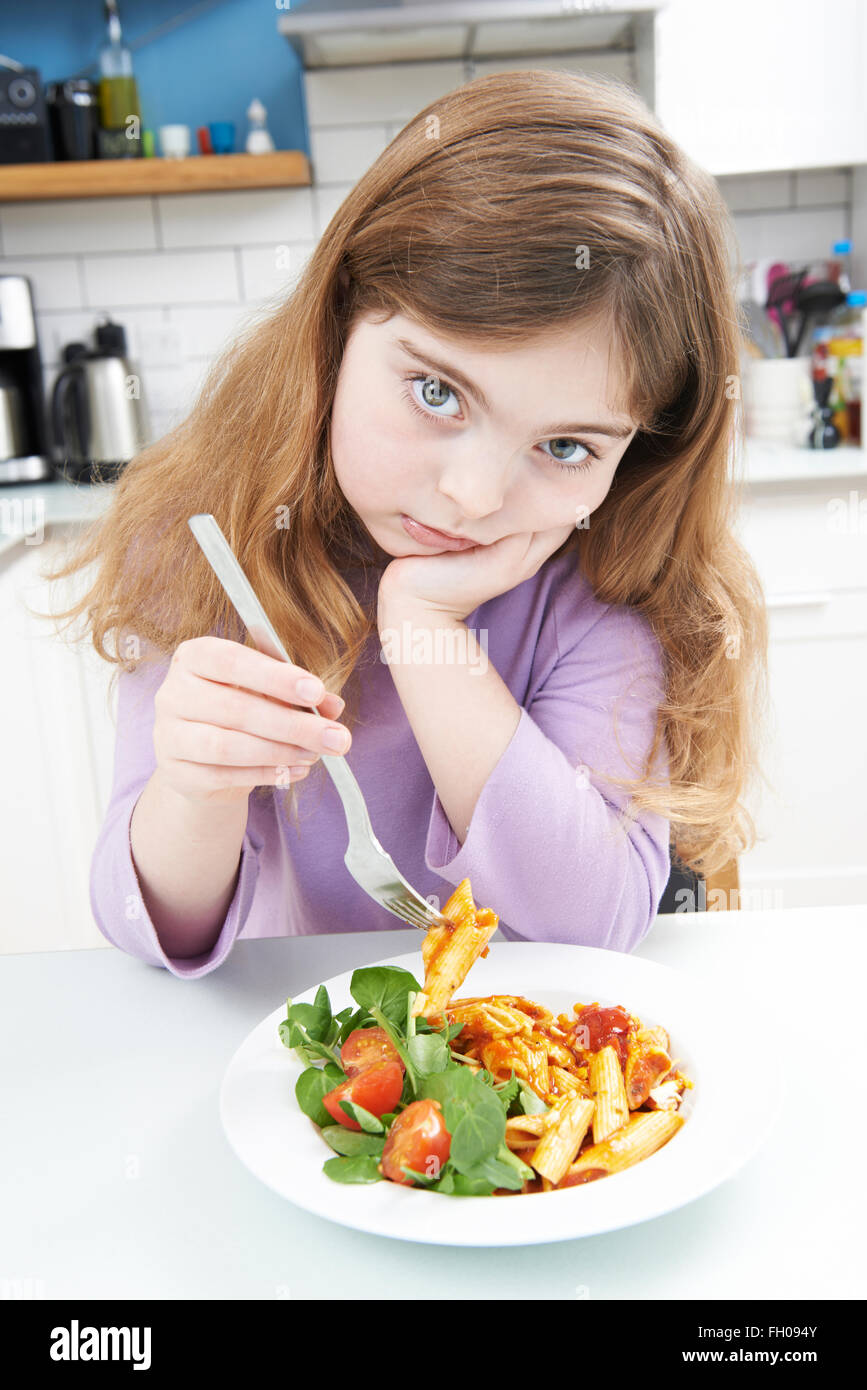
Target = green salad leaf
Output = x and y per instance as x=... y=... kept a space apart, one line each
x=362 y=1168
x=383 y=987
x=429 y=1053
x=370 y=1124
x=352 y=1142
x=312 y=1085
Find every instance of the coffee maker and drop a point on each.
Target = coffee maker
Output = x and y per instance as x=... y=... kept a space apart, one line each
x=25 y=454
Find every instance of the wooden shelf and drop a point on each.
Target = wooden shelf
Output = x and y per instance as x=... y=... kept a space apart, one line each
x=123 y=178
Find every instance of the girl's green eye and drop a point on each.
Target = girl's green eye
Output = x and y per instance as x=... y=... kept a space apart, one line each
x=438 y=387
x=573 y=444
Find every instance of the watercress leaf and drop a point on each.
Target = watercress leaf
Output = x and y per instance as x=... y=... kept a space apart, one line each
x=479 y=1132
x=384 y=987
x=477 y=1186
x=322 y=1006
x=351 y=1142
x=360 y=1168
x=531 y=1104
x=371 y=1124
x=357 y=1018
x=429 y=1052
x=508 y=1092
x=452 y=1089
x=310 y=1087
x=500 y=1174
x=514 y=1161
x=291 y=1035
x=447 y=1182
x=319 y=1049
x=421 y=1178
x=453 y=1030
x=315 y=1018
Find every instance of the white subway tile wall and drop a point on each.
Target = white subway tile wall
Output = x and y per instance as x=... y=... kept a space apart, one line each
x=185 y=273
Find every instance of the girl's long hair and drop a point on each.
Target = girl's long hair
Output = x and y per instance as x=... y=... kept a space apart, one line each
x=472 y=222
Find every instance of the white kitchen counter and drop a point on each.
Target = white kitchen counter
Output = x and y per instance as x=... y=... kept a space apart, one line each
x=26 y=509
x=119 y=1183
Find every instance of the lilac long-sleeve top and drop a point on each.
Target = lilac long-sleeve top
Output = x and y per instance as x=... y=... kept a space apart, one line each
x=544 y=848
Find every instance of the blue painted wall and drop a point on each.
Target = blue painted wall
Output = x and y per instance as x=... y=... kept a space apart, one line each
x=206 y=68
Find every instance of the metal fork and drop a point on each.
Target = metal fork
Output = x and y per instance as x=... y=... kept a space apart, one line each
x=370 y=866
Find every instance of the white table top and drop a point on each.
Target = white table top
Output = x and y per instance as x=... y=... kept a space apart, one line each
x=119 y=1182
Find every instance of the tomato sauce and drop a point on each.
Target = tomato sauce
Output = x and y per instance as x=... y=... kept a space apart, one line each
x=605 y=1027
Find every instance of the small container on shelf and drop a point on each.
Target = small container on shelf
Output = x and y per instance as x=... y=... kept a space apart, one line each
x=845 y=344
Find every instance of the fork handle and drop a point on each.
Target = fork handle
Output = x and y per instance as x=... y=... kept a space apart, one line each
x=239 y=590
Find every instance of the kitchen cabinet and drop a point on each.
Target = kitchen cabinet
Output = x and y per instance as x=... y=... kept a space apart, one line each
x=58 y=754
x=808 y=543
x=754 y=85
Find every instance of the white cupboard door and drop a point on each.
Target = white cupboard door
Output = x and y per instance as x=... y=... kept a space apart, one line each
x=812 y=814
x=751 y=85
x=57 y=753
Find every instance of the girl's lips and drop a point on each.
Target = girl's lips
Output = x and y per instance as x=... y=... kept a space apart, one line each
x=428 y=536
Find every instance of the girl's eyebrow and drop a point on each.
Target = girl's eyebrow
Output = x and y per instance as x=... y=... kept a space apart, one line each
x=425 y=359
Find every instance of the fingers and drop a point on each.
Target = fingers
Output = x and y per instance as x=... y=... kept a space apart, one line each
x=191 y=694
x=209 y=703
x=189 y=740
x=208 y=779
x=230 y=663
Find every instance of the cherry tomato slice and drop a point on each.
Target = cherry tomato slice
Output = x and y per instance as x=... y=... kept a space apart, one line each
x=364 y=1046
x=378 y=1089
x=419 y=1139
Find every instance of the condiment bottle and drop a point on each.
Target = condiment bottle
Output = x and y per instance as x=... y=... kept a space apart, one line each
x=119 y=113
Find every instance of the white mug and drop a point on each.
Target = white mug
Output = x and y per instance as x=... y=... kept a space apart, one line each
x=175 y=141
x=778 y=398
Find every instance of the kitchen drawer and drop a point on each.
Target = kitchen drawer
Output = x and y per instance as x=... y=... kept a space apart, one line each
x=814 y=539
x=802 y=614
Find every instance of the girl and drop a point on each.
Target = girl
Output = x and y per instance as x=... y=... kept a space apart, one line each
x=520 y=329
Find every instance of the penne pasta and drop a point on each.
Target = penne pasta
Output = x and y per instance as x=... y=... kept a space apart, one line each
x=561 y=1138
x=637 y=1140
x=608 y=1089
x=449 y=952
x=524 y=1131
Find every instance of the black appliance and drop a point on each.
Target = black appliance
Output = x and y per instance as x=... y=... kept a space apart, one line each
x=27 y=454
x=24 y=133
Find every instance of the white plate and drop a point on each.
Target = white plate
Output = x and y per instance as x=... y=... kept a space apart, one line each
x=726 y=1045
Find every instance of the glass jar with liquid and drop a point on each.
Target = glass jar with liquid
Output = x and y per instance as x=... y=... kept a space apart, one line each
x=119 y=111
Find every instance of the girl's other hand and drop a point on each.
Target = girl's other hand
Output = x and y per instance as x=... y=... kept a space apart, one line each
x=226 y=721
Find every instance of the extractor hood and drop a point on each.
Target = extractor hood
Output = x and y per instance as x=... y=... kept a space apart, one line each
x=338 y=33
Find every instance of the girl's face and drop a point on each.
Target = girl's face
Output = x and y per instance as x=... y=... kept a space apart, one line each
x=480 y=443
